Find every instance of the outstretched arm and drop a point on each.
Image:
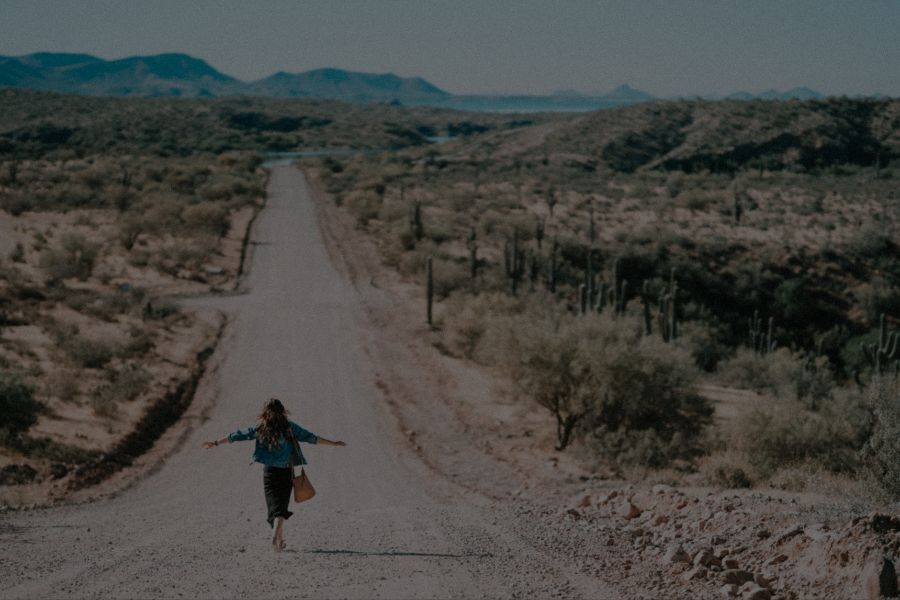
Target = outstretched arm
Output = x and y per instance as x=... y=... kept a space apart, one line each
x=330 y=442
x=209 y=445
x=237 y=436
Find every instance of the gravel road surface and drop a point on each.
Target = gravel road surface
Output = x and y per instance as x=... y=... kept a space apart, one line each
x=382 y=525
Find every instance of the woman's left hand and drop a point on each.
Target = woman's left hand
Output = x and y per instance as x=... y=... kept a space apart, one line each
x=209 y=445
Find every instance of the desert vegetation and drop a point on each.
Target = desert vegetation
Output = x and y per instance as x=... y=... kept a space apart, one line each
x=625 y=267
x=108 y=208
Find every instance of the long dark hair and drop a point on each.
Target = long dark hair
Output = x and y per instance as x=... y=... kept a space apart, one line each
x=273 y=423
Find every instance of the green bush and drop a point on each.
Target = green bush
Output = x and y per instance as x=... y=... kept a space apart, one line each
x=630 y=395
x=88 y=353
x=881 y=453
x=208 y=217
x=18 y=408
x=75 y=256
x=784 y=433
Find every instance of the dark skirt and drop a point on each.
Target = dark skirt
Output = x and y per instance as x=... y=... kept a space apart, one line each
x=278 y=484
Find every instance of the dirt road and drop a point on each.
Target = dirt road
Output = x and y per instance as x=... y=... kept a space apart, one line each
x=383 y=525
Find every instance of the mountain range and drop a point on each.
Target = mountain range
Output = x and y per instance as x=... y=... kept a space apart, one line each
x=184 y=75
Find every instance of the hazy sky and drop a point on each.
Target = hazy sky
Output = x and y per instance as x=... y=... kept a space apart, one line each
x=666 y=47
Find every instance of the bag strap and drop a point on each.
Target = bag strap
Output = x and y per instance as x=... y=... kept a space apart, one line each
x=294 y=446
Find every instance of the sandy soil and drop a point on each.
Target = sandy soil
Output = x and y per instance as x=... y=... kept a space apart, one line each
x=383 y=525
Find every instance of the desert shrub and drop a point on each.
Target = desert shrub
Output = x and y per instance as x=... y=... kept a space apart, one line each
x=18 y=408
x=124 y=386
x=870 y=241
x=449 y=275
x=88 y=353
x=785 y=433
x=364 y=205
x=630 y=394
x=75 y=256
x=469 y=317
x=881 y=452
x=160 y=309
x=207 y=217
x=780 y=373
x=62 y=384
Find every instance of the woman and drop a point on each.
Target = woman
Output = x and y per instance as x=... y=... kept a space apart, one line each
x=275 y=448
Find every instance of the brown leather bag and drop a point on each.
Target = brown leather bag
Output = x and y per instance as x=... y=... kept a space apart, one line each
x=303 y=487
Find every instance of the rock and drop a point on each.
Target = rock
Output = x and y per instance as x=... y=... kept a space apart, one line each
x=754 y=592
x=706 y=559
x=681 y=504
x=629 y=511
x=787 y=533
x=695 y=573
x=763 y=533
x=213 y=270
x=676 y=554
x=731 y=563
x=762 y=581
x=17 y=474
x=610 y=496
x=777 y=559
x=661 y=519
x=729 y=590
x=661 y=488
x=572 y=512
x=736 y=576
x=880 y=579
x=585 y=502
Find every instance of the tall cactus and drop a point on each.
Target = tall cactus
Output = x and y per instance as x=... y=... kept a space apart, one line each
x=667 y=314
x=602 y=297
x=583 y=297
x=552 y=275
x=514 y=262
x=429 y=288
x=592 y=229
x=539 y=231
x=645 y=301
x=761 y=343
x=887 y=349
x=473 y=261
x=415 y=221
x=589 y=275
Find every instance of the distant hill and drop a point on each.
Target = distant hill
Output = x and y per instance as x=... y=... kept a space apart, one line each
x=184 y=75
x=797 y=93
x=160 y=75
x=728 y=136
x=346 y=85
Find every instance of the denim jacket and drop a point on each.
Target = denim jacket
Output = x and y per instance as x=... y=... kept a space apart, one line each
x=280 y=455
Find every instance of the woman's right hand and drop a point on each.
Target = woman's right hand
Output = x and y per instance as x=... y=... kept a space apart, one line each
x=209 y=445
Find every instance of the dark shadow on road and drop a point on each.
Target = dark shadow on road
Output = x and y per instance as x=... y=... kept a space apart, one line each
x=398 y=553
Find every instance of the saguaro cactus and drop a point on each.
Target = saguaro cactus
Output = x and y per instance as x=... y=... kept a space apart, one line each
x=645 y=301
x=602 y=297
x=883 y=351
x=415 y=221
x=514 y=262
x=429 y=288
x=762 y=343
x=551 y=279
x=539 y=231
x=667 y=315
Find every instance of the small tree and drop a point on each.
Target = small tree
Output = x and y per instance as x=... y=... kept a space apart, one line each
x=548 y=364
x=18 y=408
